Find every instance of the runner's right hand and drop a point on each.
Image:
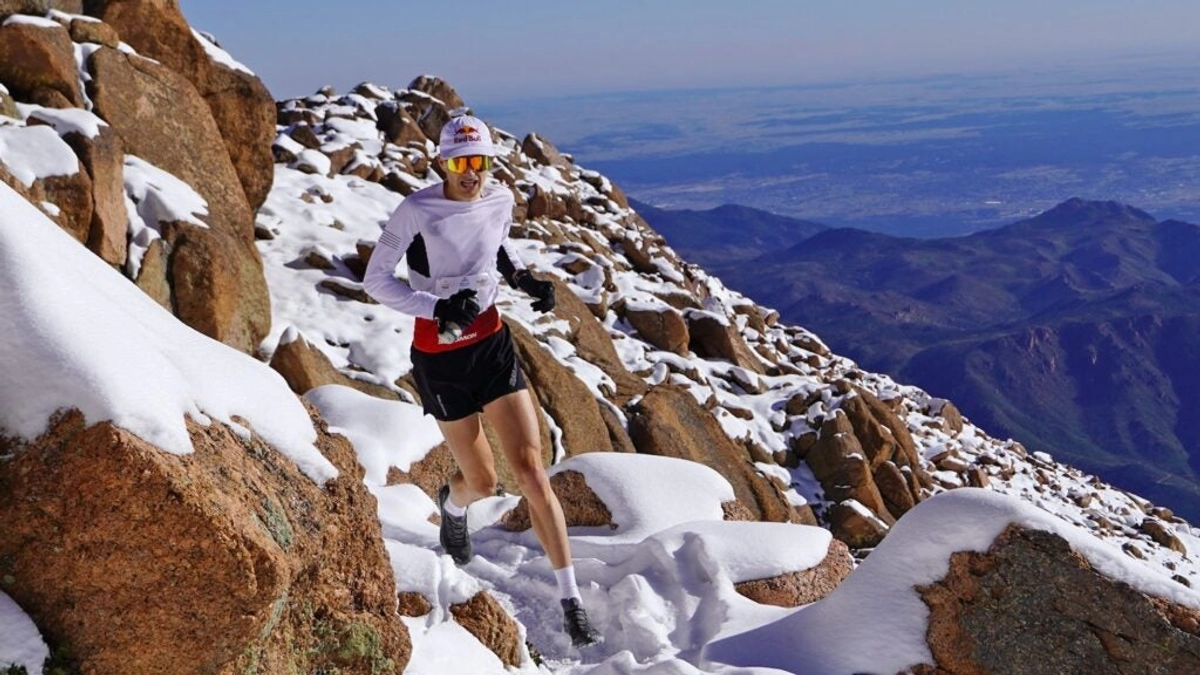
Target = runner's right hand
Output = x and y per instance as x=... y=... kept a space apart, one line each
x=460 y=308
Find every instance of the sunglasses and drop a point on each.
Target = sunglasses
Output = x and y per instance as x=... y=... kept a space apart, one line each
x=476 y=163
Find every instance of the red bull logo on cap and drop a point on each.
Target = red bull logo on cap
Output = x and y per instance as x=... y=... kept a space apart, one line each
x=467 y=134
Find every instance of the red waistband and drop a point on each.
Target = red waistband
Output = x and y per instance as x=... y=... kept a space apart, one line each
x=485 y=325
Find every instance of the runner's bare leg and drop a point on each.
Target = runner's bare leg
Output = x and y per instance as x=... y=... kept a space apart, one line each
x=514 y=417
x=476 y=474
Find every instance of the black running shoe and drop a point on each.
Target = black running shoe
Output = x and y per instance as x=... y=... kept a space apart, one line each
x=576 y=624
x=455 y=538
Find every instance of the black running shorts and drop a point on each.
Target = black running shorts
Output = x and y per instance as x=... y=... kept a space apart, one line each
x=460 y=382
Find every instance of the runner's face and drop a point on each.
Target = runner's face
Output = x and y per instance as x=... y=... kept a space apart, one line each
x=463 y=187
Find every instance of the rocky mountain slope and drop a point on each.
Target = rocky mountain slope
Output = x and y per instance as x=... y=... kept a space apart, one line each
x=270 y=567
x=1073 y=331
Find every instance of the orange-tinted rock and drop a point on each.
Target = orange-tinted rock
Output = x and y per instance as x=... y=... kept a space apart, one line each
x=711 y=338
x=662 y=327
x=1031 y=604
x=581 y=507
x=668 y=422
x=486 y=619
x=238 y=102
x=107 y=538
x=37 y=65
x=805 y=586
x=562 y=395
x=216 y=273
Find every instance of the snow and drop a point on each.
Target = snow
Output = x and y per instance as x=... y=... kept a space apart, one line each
x=376 y=427
x=30 y=20
x=219 y=55
x=916 y=552
x=65 y=120
x=448 y=648
x=649 y=494
x=154 y=197
x=752 y=550
x=20 y=642
x=34 y=153
x=66 y=17
x=160 y=196
x=78 y=335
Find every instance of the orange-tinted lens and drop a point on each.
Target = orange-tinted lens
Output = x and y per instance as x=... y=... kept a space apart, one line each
x=475 y=162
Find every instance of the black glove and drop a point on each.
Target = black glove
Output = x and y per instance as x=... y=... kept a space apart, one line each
x=542 y=290
x=459 y=310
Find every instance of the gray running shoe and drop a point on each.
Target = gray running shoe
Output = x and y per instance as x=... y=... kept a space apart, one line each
x=455 y=538
x=576 y=624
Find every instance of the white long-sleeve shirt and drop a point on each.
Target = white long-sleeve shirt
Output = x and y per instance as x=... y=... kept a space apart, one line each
x=461 y=242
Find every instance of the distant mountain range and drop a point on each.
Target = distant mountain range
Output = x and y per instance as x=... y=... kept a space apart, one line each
x=707 y=238
x=1076 y=332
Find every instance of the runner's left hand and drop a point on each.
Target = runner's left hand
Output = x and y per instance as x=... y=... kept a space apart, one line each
x=542 y=291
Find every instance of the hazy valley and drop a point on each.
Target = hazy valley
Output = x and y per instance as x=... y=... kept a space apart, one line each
x=1076 y=332
x=928 y=157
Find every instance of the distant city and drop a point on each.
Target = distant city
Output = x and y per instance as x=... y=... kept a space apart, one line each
x=927 y=157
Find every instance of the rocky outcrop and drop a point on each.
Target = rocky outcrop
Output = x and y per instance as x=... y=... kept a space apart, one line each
x=211 y=278
x=486 y=619
x=563 y=396
x=662 y=327
x=305 y=367
x=432 y=100
x=712 y=337
x=237 y=100
x=107 y=537
x=93 y=208
x=8 y=107
x=39 y=7
x=398 y=127
x=66 y=198
x=858 y=526
x=794 y=589
x=37 y=64
x=865 y=458
x=840 y=462
x=1162 y=533
x=594 y=344
x=1031 y=604
x=215 y=272
x=543 y=151
x=580 y=505
x=667 y=421
x=72 y=196
x=103 y=158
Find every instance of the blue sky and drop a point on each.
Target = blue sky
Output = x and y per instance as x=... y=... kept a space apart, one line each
x=493 y=51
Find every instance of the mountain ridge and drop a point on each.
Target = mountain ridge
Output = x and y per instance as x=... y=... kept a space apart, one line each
x=911 y=307
x=701 y=231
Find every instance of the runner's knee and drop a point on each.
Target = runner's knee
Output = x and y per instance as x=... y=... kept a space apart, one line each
x=532 y=479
